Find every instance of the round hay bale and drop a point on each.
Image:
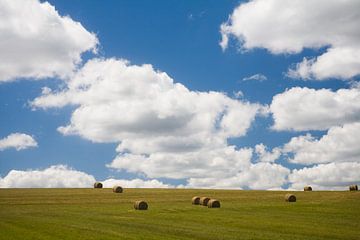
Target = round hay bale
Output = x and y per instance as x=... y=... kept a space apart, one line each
x=195 y=200
x=98 y=185
x=204 y=201
x=213 y=203
x=353 y=187
x=117 y=189
x=141 y=205
x=290 y=197
x=307 y=188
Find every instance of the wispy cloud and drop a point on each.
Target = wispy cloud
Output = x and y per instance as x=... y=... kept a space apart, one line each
x=194 y=16
x=256 y=77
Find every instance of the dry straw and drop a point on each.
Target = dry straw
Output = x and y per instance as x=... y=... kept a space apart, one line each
x=307 y=188
x=141 y=205
x=98 y=185
x=204 y=201
x=117 y=189
x=213 y=203
x=195 y=200
x=290 y=197
x=353 y=187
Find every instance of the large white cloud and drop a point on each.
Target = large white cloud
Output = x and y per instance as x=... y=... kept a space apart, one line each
x=220 y=162
x=62 y=176
x=163 y=129
x=261 y=175
x=118 y=101
x=340 y=144
x=57 y=176
x=258 y=176
x=19 y=141
x=303 y=109
x=336 y=176
x=283 y=26
x=135 y=183
x=36 y=42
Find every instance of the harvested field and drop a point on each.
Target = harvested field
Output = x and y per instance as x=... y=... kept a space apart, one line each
x=101 y=214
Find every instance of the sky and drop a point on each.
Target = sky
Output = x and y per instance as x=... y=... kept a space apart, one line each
x=260 y=94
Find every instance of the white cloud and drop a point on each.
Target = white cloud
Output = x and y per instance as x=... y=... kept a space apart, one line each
x=135 y=183
x=282 y=26
x=163 y=129
x=340 y=144
x=62 y=176
x=256 y=77
x=336 y=176
x=267 y=156
x=57 y=176
x=218 y=162
x=125 y=103
x=302 y=109
x=257 y=176
x=36 y=42
x=118 y=102
x=339 y=62
x=19 y=141
x=225 y=32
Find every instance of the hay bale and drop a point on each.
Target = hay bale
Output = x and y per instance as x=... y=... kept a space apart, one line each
x=204 y=201
x=353 y=187
x=290 y=197
x=195 y=200
x=117 y=189
x=141 y=205
x=307 y=188
x=213 y=203
x=98 y=185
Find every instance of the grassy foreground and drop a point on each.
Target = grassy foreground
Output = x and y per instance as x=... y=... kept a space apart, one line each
x=101 y=214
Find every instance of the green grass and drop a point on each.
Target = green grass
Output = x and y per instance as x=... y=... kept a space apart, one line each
x=101 y=214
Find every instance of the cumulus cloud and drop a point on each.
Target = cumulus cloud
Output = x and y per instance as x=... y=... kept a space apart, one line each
x=282 y=26
x=19 y=141
x=266 y=156
x=221 y=161
x=36 y=42
x=166 y=130
x=256 y=77
x=340 y=144
x=62 y=176
x=262 y=175
x=301 y=109
x=57 y=176
x=135 y=183
x=335 y=176
x=163 y=129
x=118 y=101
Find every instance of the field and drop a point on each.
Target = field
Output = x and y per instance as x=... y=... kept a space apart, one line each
x=101 y=214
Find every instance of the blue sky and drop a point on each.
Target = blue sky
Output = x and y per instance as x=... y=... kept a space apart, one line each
x=182 y=39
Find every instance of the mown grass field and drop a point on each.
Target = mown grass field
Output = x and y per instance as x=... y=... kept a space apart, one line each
x=101 y=214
